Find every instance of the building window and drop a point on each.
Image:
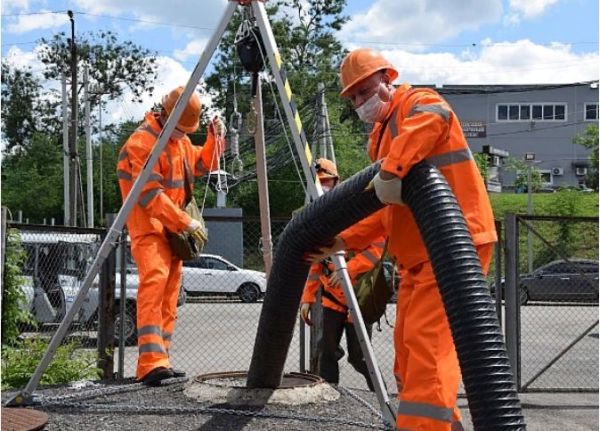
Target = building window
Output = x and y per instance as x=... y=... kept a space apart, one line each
x=591 y=111
x=536 y=112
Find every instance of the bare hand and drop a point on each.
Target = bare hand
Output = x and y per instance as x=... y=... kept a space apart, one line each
x=305 y=313
x=324 y=252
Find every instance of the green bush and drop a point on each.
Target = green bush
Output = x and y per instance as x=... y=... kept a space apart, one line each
x=13 y=313
x=70 y=363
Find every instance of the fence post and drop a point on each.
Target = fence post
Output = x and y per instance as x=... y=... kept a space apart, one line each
x=511 y=295
x=106 y=312
x=498 y=271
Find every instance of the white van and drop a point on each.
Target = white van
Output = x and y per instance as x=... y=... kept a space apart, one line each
x=53 y=273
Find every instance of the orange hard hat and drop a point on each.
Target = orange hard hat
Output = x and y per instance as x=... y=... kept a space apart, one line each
x=326 y=169
x=190 y=117
x=360 y=64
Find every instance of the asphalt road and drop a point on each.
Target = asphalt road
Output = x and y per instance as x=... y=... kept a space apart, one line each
x=219 y=336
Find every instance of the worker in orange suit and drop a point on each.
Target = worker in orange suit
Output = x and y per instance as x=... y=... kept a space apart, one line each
x=336 y=319
x=411 y=125
x=158 y=210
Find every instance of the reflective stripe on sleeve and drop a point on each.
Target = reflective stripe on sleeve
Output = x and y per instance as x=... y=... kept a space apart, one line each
x=173 y=184
x=148 y=196
x=445 y=159
x=430 y=411
x=145 y=127
x=434 y=109
x=392 y=124
x=123 y=175
x=314 y=277
x=123 y=155
x=370 y=256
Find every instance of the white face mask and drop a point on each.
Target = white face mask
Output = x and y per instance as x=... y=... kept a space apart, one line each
x=325 y=188
x=373 y=109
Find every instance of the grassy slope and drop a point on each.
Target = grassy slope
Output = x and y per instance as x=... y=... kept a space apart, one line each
x=543 y=204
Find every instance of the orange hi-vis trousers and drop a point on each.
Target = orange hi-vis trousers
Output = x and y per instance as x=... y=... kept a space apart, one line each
x=160 y=278
x=426 y=366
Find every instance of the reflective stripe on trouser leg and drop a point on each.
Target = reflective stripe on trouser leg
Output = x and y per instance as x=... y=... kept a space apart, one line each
x=169 y=305
x=153 y=257
x=410 y=303
x=430 y=372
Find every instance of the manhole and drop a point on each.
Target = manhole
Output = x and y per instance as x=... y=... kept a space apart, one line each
x=230 y=388
x=21 y=419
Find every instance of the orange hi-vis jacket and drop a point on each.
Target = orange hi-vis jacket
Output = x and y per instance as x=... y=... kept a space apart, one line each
x=362 y=262
x=162 y=197
x=422 y=126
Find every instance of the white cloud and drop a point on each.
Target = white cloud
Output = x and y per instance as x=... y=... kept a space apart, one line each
x=418 y=22
x=521 y=62
x=192 y=49
x=14 y=6
x=530 y=8
x=40 y=21
x=170 y=75
x=184 y=12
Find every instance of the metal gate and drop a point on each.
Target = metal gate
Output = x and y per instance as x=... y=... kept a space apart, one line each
x=550 y=292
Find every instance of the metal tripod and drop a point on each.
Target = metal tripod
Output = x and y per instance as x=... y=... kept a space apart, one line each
x=313 y=189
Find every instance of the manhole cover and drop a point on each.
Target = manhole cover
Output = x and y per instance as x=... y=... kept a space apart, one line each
x=20 y=419
x=230 y=388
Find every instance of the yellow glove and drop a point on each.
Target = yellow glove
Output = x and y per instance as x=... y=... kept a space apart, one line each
x=198 y=231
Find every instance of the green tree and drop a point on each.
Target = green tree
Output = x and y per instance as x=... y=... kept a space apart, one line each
x=482 y=162
x=113 y=65
x=305 y=35
x=13 y=313
x=24 y=110
x=32 y=181
x=589 y=140
x=520 y=168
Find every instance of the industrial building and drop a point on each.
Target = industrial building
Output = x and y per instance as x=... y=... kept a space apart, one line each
x=512 y=120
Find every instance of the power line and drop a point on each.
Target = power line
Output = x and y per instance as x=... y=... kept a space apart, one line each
x=34 y=13
x=146 y=21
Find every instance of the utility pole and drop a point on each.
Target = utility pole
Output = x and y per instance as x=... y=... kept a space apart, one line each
x=88 y=151
x=261 y=177
x=97 y=91
x=100 y=155
x=73 y=156
x=66 y=176
x=321 y=122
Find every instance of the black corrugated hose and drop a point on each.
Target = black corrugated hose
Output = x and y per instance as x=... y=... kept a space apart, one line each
x=486 y=372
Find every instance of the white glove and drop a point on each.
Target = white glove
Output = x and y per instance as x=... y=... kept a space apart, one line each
x=217 y=126
x=198 y=231
x=388 y=191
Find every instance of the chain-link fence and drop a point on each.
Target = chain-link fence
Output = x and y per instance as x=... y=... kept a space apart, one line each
x=221 y=299
x=554 y=264
x=53 y=261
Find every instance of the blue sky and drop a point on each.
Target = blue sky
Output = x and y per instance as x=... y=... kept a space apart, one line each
x=430 y=41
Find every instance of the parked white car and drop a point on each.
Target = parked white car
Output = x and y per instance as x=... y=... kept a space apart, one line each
x=210 y=274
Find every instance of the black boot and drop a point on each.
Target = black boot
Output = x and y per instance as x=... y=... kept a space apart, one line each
x=157 y=375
